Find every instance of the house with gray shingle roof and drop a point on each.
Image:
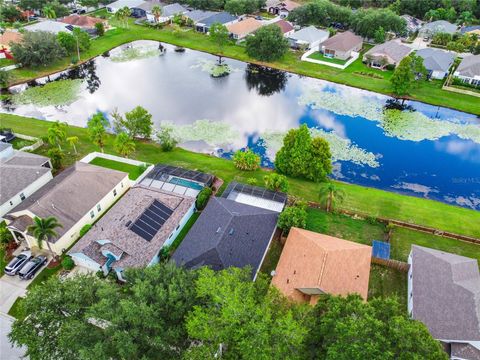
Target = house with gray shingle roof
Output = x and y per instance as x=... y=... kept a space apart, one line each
x=436 y=61
x=231 y=232
x=168 y=11
x=196 y=16
x=388 y=53
x=309 y=37
x=75 y=197
x=440 y=26
x=469 y=70
x=21 y=174
x=223 y=18
x=134 y=230
x=444 y=294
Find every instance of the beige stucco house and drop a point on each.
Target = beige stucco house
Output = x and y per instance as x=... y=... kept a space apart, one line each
x=342 y=45
x=77 y=196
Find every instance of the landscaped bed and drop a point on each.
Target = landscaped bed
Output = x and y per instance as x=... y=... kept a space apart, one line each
x=134 y=171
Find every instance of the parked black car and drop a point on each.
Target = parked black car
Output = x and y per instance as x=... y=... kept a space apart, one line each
x=17 y=263
x=31 y=267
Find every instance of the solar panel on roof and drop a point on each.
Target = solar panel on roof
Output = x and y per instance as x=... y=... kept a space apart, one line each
x=151 y=220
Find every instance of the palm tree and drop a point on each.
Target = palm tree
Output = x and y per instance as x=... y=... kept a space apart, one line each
x=43 y=229
x=49 y=12
x=124 y=144
x=77 y=32
x=57 y=133
x=72 y=140
x=123 y=14
x=157 y=12
x=331 y=194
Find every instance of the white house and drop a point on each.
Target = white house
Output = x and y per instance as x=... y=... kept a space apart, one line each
x=168 y=11
x=469 y=70
x=120 y=4
x=436 y=61
x=308 y=38
x=443 y=293
x=75 y=197
x=21 y=174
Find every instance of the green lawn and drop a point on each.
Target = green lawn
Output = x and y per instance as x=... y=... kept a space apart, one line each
x=319 y=56
x=133 y=171
x=429 y=92
x=273 y=255
x=16 y=310
x=6 y=62
x=20 y=143
x=360 y=199
x=178 y=240
x=386 y=282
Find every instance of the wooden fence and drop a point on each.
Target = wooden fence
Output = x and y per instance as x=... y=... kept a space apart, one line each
x=394 y=264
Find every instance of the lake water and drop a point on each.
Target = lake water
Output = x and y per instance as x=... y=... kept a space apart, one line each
x=424 y=150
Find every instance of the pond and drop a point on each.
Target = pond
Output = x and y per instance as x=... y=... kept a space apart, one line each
x=410 y=148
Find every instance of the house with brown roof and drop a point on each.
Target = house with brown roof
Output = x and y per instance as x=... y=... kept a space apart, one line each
x=134 y=231
x=285 y=26
x=243 y=28
x=388 y=53
x=83 y=21
x=342 y=45
x=444 y=294
x=281 y=8
x=76 y=197
x=10 y=37
x=312 y=264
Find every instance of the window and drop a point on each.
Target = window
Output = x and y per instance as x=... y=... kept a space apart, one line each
x=22 y=196
x=114 y=192
x=92 y=214
x=99 y=208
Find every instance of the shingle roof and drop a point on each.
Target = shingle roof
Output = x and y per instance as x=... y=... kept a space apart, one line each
x=222 y=18
x=343 y=41
x=71 y=194
x=227 y=234
x=310 y=34
x=391 y=49
x=464 y=351
x=121 y=240
x=467 y=29
x=311 y=260
x=198 y=15
x=285 y=26
x=48 y=26
x=244 y=27
x=119 y=4
x=173 y=9
x=446 y=294
x=439 y=26
x=20 y=171
x=435 y=59
x=81 y=20
x=470 y=66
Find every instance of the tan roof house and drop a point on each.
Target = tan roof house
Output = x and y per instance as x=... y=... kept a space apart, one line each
x=75 y=197
x=389 y=53
x=341 y=45
x=241 y=29
x=313 y=264
x=9 y=37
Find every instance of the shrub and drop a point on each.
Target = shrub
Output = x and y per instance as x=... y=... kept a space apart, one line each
x=166 y=139
x=292 y=216
x=100 y=29
x=276 y=182
x=203 y=197
x=85 y=229
x=246 y=160
x=252 y=181
x=67 y=263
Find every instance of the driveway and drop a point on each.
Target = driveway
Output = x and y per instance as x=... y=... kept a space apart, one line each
x=7 y=351
x=11 y=287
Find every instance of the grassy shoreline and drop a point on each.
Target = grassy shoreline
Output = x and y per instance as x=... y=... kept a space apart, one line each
x=356 y=75
x=374 y=202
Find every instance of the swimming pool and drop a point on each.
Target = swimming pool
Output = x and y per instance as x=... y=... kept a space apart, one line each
x=186 y=183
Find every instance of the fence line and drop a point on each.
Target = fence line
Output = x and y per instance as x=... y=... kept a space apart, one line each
x=393 y=264
x=88 y=158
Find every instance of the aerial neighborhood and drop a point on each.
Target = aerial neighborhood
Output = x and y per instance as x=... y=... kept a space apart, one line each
x=240 y=179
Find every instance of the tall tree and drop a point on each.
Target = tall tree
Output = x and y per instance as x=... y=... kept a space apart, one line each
x=97 y=129
x=49 y=12
x=268 y=43
x=124 y=144
x=403 y=77
x=331 y=195
x=57 y=133
x=220 y=35
x=239 y=319
x=43 y=229
x=38 y=48
x=349 y=328
x=137 y=123
x=73 y=140
x=156 y=12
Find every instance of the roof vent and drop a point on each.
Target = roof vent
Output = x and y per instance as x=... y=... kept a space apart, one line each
x=128 y=223
x=218 y=230
x=231 y=231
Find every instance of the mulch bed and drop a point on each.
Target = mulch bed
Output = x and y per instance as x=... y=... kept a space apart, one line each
x=53 y=264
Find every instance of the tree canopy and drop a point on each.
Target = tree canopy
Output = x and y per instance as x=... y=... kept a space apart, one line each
x=268 y=43
x=39 y=48
x=137 y=123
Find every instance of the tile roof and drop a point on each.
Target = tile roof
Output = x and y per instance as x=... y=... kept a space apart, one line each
x=71 y=194
x=10 y=37
x=20 y=171
x=285 y=26
x=343 y=41
x=227 y=234
x=470 y=66
x=311 y=260
x=391 y=49
x=83 y=21
x=244 y=27
x=133 y=250
x=435 y=59
x=310 y=34
x=446 y=294
x=222 y=18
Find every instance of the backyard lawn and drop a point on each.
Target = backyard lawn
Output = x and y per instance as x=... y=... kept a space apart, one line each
x=369 y=201
x=133 y=171
x=428 y=92
x=386 y=282
x=319 y=56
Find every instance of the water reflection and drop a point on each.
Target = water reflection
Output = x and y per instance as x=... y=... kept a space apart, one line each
x=400 y=146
